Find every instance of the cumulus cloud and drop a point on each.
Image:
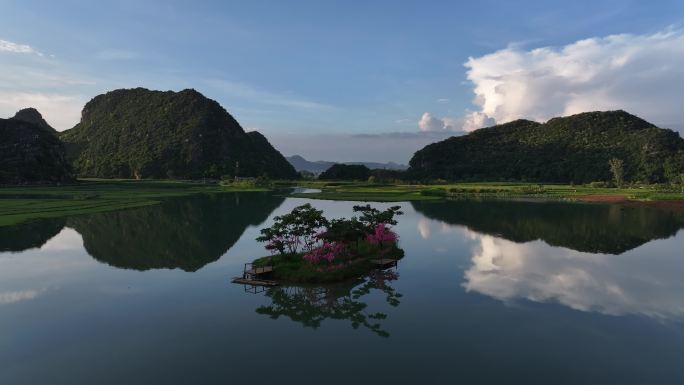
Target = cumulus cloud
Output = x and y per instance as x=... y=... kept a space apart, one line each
x=475 y=120
x=428 y=122
x=643 y=74
x=8 y=46
x=471 y=122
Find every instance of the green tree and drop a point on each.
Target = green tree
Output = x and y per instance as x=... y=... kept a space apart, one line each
x=294 y=229
x=618 y=170
x=371 y=217
x=346 y=231
x=345 y=172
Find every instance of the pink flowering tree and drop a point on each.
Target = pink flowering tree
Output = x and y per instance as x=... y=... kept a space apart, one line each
x=328 y=252
x=382 y=235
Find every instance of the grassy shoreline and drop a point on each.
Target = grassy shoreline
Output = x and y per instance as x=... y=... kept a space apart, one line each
x=398 y=192
x=23 y=203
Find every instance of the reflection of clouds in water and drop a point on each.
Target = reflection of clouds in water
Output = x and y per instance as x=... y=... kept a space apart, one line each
x=61 y=259
x=67 y=239
x=645 y=280
x=8 y=297
x=424 y=228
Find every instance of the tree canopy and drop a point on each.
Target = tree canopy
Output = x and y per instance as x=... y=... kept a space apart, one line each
x=138 y=133
x=575 y=149
x=346 y=172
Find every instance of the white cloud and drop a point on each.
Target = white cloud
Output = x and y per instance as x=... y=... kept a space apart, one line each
x=642 y=74
x=473 y=121
x=428 y=122
x=8 y=46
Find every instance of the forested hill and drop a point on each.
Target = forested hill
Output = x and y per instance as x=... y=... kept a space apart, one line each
x=138 y=133
x=30 y=152
x=575 y=149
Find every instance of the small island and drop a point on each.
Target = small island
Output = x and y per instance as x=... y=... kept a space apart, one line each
x=306 y=247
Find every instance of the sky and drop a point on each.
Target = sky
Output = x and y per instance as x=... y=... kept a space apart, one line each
x=351 y=81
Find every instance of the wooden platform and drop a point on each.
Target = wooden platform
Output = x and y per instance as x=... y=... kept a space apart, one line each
x=384 y=262
x=254 y=282
x=259 y=270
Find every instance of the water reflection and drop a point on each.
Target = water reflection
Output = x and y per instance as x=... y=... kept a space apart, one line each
x=592 y=228
x=185 y=233
x=181 y=233
x=29 y=235
x=646 y=281
x=310 y=305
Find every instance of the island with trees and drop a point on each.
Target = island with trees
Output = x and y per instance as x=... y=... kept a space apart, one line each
x=307 y=247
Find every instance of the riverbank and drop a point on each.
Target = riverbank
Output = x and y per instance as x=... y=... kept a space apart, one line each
x=397 y=192
x=23 y=203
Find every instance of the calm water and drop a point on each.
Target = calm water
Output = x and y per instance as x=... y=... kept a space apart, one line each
x=489 y=293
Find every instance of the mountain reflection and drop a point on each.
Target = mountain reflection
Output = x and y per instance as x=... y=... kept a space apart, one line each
x=593 y=228
x=29 y=235
x=646 y=281
x=310 y=306
x=185 y=233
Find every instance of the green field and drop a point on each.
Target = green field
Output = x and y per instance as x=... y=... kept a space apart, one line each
x=399 y=192
x=19 y=204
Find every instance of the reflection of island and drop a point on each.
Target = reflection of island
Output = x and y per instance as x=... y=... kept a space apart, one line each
x=184 y=233
x=595 y=228
x=312 y=305
x=29 y=235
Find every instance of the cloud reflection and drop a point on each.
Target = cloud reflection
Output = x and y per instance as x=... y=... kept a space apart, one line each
x=645 y=281
x=8 y=297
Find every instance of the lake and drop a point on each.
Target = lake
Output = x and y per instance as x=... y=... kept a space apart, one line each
x=489 y=292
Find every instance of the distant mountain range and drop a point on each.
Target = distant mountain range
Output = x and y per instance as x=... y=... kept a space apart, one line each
x=317 y=167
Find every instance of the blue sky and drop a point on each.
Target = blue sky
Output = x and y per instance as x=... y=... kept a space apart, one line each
x=338 y=80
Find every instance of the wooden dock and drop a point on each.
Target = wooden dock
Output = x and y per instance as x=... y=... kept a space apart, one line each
x=256 y=276
x=254 y=271
x=255 y=282
x=384 y=263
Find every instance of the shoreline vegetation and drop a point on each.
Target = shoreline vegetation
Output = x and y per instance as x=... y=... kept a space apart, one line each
x=377 y=192
x=23 y=203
